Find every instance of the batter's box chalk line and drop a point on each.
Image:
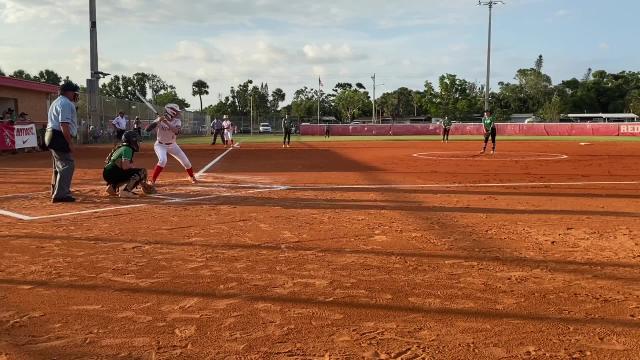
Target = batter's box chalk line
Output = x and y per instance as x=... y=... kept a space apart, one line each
x=500 y=156
x=162 y=199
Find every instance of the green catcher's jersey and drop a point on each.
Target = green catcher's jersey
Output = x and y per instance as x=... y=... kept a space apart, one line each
x=121 y=153
x=489 y=123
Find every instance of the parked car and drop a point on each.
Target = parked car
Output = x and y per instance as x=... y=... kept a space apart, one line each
x=265 y=128
x=245 y=129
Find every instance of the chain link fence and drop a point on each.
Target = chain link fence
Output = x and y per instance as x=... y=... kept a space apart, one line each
x=100 y=130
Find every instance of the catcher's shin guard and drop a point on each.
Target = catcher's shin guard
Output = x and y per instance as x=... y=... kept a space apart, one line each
x=138 y=177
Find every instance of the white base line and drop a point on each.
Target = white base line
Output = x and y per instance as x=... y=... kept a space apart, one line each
x=86 y=212
x=15 y=215
x=294 y=187
x=215 y=161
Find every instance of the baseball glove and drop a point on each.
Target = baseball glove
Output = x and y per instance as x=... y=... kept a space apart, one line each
x=148 y=189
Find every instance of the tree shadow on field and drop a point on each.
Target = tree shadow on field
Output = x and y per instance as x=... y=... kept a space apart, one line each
x=271 y=160
x=497 y=191
x=589 y=269
x=388 y=205
x=485 y=314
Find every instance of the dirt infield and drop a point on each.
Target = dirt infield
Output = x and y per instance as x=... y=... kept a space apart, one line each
x=330 y=251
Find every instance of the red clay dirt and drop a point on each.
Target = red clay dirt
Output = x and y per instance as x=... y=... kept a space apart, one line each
x=239 y=267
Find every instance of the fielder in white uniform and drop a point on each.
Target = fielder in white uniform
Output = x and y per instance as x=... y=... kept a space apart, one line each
x=168 y=128
x=227 y=125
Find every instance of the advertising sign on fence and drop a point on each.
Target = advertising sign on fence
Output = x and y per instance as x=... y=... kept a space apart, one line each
x=25 y=136
x=14 y=137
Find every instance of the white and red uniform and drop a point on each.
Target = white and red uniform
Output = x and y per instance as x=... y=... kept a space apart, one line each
x=227 y=125
x=166 y=144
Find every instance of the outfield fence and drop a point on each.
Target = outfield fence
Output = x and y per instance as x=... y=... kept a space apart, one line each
x=555 y=129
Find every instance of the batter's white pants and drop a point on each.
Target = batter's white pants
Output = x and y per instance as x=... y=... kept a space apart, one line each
x=228 y=135
x=173 y=150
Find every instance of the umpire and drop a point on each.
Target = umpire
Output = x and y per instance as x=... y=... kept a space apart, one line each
x=62 y=126
x=217 y=129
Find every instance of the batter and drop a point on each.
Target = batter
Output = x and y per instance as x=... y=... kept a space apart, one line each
x=168 y=127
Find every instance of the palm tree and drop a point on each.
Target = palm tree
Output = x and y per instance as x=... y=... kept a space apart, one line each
x=199 y=88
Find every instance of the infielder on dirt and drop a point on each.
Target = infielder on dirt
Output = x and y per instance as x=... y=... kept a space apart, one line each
x=489 y=123
x=120 y=169
x=168 y=128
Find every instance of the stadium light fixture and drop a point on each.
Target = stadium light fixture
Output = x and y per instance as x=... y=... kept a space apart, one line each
x=489 y=4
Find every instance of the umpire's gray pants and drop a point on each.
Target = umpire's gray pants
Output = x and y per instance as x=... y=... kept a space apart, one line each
x=63 y=168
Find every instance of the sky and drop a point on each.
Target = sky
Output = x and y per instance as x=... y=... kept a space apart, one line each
x=288 y=44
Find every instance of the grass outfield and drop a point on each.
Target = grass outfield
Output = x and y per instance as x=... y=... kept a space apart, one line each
x=297 y=138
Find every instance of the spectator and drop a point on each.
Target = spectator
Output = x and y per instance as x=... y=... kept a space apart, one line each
x=41 y=133
x=119 y=126
x=9 y=116
x=23 y=117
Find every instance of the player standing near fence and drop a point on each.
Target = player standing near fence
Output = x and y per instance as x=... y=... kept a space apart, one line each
x=168 y=128
x=287 y=128
x=227 y=125
x=446 y=129
x=119 y=125
x=489 y=124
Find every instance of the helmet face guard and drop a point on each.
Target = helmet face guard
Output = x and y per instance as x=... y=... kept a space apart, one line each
x=130 y=138
x=172 y=111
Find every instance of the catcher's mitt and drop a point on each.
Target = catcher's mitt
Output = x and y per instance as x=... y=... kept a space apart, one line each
x=148 y=189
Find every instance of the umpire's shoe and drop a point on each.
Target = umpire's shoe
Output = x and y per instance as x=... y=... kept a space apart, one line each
x=68 y=199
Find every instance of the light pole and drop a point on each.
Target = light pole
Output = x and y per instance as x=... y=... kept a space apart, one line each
x=373 y=119
x=490 y=4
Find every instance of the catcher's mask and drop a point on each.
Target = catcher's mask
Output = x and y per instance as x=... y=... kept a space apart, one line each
x=130 y=138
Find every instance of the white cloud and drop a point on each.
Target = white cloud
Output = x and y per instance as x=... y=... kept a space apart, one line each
x=329 y=53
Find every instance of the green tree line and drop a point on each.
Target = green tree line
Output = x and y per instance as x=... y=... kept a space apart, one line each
x=530 y=92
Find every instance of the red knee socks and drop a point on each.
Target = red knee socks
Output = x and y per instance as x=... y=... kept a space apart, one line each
x=156 y=172
x=190 y=172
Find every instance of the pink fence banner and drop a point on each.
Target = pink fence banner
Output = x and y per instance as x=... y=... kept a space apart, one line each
x=540 y=129
x=7 y=137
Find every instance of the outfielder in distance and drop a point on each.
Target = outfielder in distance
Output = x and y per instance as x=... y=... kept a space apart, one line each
x=168 y=128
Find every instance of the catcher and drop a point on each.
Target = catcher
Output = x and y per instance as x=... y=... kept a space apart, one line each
x=120 y=170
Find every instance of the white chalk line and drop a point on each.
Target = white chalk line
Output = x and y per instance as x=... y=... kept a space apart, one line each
x=215 y=161
x=15 y=215
x=444 y=186
x=167 y=200
x=477 y=156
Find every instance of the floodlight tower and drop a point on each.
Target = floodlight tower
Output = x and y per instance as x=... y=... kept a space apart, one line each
x=490 y=4
x=373 y=119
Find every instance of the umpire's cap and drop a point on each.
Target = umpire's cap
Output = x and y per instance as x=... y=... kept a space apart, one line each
x=131 y=138
x=69 y=86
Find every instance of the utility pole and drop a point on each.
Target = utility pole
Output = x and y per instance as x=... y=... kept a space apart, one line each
x=490 y=4
x=93 y=88
x=374 y=118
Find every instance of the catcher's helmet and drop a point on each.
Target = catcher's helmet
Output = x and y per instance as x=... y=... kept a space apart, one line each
x=131 y=138
x=172 y=110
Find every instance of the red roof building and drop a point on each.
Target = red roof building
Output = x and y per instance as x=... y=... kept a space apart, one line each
x=30 y=97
